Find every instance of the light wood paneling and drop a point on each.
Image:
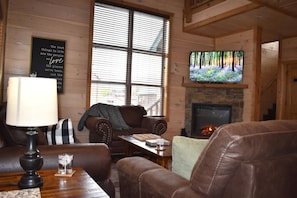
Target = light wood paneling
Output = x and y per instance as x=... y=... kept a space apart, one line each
x=67 y=20
x=288 y=55
x=269 y=66
x=3 y=23
x=248 y=42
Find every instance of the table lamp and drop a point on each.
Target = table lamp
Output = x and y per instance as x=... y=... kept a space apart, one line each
x=31 y=102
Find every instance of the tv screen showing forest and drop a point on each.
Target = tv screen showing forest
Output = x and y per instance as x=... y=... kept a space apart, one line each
x=216 y=66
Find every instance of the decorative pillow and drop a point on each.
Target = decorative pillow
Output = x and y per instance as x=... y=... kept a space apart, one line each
x=61 y=133
x=185 y=152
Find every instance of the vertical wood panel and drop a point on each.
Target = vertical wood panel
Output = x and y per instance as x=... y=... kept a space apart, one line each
x=3 y=22
x=247 y=41
x=67 y=20
x=288 y=54
x=269 y=66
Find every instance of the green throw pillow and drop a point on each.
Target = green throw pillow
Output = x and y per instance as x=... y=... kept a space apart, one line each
x=185 y=152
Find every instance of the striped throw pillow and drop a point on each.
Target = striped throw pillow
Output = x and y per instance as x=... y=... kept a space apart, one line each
x=61 y=133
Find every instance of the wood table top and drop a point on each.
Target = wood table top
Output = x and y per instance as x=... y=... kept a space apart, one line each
x=79 y=185
x=142 y=145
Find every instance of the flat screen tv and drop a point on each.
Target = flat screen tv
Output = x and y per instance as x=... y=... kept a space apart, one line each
x=216 y=66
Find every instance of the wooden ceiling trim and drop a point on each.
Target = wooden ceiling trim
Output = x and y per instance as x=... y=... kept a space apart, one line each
x=288 y=7
x=192 y=7
x=240 y=10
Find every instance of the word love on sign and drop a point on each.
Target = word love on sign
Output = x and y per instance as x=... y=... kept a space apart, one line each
x=48 y=59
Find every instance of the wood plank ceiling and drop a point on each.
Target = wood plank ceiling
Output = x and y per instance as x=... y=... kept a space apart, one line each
x=276 y=18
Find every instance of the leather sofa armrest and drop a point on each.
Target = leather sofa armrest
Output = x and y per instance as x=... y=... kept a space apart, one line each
x=154 y=181
x=100 y=129
x=154 y=124
x=164 y=183
x=129 y=171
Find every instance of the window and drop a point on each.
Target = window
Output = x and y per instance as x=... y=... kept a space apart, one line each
x=129 y=58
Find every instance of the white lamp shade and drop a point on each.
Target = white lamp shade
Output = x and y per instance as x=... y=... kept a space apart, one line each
x=32 y=102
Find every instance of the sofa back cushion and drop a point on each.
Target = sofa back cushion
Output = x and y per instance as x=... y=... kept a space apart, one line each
x=234 y=144
x=132 y=115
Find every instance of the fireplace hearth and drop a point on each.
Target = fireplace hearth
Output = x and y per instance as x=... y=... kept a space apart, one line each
x=207 y=117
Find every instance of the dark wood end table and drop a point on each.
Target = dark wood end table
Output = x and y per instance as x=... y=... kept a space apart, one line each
x=160 y=157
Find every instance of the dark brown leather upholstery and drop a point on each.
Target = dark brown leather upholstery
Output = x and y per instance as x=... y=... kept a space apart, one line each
x=248 y=159
x=94 y=158
x=101 y=129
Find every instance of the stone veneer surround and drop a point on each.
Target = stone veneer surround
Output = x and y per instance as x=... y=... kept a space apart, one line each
x=224 y=96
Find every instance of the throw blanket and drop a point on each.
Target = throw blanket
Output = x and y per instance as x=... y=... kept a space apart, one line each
x=110 y=112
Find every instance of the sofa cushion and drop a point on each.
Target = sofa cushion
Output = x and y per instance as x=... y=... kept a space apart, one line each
x=185 y=152
x=132 y=114
x=61 y=133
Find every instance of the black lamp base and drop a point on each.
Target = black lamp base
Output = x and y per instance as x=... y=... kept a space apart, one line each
x=30 y=181
x=30 y=162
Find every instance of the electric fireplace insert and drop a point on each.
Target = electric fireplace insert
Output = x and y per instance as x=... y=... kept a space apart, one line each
x=207 y=117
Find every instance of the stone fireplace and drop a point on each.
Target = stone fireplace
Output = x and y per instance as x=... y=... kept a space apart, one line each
x=225 y=104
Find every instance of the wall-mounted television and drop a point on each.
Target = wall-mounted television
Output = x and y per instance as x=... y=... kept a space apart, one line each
x=216 y=66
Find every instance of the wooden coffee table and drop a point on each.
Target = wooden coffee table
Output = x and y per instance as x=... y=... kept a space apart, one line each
x=160 y=157
x=79 y=185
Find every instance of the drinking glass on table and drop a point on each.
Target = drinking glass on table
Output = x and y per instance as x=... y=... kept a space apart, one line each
x=160 y=144
x=65 y=164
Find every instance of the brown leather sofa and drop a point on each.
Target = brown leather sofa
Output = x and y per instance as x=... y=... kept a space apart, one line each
x=246 y=160
x=101 y=129
x=95 y=159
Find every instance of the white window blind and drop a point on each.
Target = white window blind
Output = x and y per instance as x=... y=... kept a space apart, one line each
x=129 y=57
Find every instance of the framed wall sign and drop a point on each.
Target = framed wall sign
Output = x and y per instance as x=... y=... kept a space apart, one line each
x=48 y=59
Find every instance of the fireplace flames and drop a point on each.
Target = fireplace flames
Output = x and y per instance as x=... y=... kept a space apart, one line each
x=208 y=130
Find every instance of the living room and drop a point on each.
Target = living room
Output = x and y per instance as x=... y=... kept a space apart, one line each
x=70 y=21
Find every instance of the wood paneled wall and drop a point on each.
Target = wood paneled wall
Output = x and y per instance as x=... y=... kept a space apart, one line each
x=288 y=50
x=250 y=42
x=53 y=19
x=288 y=55
x=3 y=18
x=269 y=69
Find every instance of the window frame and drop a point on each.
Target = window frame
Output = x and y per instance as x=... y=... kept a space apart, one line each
x=164 y=55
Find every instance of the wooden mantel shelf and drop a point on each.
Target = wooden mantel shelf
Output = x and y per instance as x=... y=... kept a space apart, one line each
x=215 y=85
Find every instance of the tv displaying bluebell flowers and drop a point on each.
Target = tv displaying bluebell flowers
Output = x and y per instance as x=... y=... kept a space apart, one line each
x=216 y=66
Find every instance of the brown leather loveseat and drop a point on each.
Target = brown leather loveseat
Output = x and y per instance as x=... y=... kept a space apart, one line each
x=95 y=159
x=134 y=121
x=246 y=160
